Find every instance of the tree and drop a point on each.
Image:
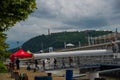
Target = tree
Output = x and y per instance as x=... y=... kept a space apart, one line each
x=3 y=45
x=11 y=12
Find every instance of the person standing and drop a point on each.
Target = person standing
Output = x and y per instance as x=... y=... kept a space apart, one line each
x=55 y=63
x=63 y=63
x=17 y=63
x=43 y=63
x=28 y=66
x=70 y=61
x=36 y=64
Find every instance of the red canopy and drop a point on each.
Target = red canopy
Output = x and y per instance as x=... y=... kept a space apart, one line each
x=21 y=54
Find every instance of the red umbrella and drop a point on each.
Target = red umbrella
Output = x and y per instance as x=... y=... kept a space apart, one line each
x=22 y=54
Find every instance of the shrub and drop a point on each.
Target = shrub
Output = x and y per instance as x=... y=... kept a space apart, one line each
x=2 y=67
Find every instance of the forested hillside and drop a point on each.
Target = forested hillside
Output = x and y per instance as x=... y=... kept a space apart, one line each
x=57 y=40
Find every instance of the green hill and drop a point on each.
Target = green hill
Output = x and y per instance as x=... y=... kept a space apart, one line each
x=56 y=40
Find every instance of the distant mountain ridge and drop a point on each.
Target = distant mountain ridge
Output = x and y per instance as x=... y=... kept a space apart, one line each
x=57 y=40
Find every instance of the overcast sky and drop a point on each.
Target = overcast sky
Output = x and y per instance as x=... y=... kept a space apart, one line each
x=66 y=15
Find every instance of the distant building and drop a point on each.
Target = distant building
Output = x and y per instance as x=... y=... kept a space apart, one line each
x=70 y=45
x=106 y=38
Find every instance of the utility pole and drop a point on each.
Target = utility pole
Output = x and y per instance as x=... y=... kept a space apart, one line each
x=42 y=45
x=89 y=40
x=116 y=32
x=79 y=44
x=64 y=44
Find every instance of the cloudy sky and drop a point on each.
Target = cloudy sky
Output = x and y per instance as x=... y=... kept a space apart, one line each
x=66 y=15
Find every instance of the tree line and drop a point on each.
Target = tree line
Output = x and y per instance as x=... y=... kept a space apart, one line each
x=57 y=40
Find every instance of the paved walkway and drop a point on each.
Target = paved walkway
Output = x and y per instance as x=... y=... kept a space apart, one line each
x=31 y=75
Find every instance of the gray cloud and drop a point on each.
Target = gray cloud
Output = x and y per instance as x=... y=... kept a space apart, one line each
x=116 y=6
x=81 y=13
x=88 y=22
x=46 y=9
